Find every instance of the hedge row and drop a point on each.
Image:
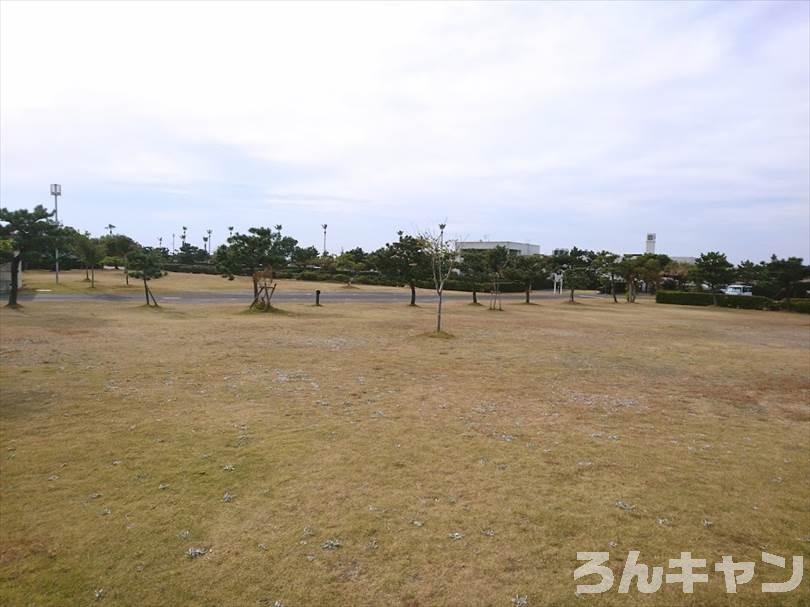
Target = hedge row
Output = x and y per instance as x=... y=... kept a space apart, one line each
x=684 y=298
x=746 y=302
x=689 y=298
x=197 y=268
x=801 y=305
x=378 y=280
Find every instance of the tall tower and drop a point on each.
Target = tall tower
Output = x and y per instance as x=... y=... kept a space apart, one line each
x=650 y=243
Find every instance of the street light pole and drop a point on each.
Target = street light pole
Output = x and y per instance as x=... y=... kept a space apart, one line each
x=56 y=192
x=324 y=239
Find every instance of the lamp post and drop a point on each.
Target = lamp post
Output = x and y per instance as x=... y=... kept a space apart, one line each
x=324 y=239
x=56 y=192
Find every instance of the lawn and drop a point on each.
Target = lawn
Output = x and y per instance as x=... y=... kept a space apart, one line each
x=340 y=456
x=114 y=282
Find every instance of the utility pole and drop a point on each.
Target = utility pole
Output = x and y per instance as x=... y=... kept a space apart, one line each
x=56 y=192
x=324 y=240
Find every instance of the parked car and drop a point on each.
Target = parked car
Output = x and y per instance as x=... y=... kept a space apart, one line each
x=738 y=290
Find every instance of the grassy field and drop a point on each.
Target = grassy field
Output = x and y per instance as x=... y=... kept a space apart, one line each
x=340 y=456
x=113 y=281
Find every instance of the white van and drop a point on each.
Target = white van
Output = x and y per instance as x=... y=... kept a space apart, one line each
x=738 y=290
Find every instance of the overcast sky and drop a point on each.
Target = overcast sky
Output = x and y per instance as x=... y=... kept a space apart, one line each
x=552 y=123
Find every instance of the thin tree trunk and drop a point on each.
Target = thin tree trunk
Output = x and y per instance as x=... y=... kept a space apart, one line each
x=146 y=290
x=528 y=295
x=413 y=293
x=613 y=289
x=15 y=277
x=572 y=296
x=439 y=316
x=93 y=277
x=126 y=271
x=86 y=273
x=475 y=295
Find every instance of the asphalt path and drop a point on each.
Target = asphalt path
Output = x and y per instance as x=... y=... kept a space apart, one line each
x=294 y=296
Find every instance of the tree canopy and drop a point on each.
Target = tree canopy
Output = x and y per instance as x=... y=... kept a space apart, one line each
x=785 y=273
x=577 y=268
x=28 y=233
x=91 y=252
x=146 y=263
x=528 y=270
x=475 y=269
x=405 y=261
x=251 y=252
x=714 y=270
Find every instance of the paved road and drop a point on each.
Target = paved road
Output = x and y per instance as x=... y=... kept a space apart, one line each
x=294 y=296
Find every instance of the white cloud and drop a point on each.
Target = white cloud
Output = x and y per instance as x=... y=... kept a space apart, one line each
x=421 y=109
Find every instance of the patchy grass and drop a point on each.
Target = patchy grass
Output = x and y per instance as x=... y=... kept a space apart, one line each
x=113 y=281
x=440 y=335
x=365 y=467
x=257 y=309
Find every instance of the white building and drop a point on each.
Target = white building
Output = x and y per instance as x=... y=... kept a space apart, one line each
x=650 y=243
x=684 y=259
x=516 y=248
x=650 y=248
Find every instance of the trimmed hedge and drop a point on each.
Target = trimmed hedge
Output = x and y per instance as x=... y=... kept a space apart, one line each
x=745 y=302
x=801 y=305
x=378 y=280
x=684 y=298
x=190 y=268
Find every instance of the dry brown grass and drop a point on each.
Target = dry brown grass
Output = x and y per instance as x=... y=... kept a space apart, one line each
x=345 y=422
x=113 y=281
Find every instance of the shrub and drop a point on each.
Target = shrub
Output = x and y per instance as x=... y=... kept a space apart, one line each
x=746 y=302
x=800 y=305
x=369 y=279
x=191 y=268
x=685 y=298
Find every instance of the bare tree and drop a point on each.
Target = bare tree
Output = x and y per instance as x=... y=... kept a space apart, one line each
x=442 y=255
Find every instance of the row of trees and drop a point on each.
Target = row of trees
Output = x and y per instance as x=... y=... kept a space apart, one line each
x=33 y=237
x=410 y=260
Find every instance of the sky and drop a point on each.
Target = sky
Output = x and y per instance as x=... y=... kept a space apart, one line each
x=559 y=124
